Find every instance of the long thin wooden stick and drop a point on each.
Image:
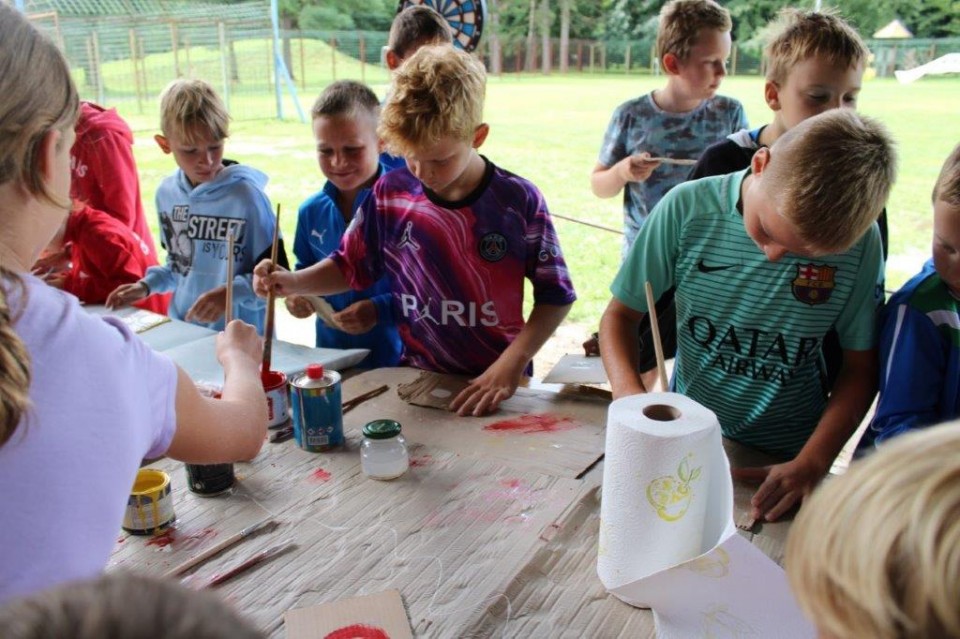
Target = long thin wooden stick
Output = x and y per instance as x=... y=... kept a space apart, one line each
x=655 y=330
x=217 y=548
x=271 y=297
x=229 y=309
x=249 y=563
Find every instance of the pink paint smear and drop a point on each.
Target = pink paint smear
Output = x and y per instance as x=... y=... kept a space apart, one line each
x=528 y=424
x=321 y=475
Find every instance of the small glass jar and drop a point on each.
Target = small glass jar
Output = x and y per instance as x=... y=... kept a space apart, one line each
x=383 y=452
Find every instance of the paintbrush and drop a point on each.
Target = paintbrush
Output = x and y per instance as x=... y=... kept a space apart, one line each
x=271 y=296
x=250 y=562
x=229 y=310
x=655 y=331
x=220 y=547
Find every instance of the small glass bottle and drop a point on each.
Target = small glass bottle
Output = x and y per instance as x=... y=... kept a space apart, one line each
x=383 y=452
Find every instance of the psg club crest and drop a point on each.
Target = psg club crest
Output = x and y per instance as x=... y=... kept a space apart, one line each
x=493 y=246
x=814 y=283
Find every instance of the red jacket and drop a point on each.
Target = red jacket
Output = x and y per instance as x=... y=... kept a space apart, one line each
x=106 y=254
x=104 y=173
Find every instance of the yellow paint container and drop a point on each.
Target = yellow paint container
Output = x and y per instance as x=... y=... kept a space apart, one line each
x=150 y=505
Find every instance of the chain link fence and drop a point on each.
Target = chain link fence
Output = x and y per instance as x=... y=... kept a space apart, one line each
x=125 y=60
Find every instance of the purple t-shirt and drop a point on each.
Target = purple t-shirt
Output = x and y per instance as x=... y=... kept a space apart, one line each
x=456 y=269
x=101 y=401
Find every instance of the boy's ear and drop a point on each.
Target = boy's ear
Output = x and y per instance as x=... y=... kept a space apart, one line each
x=771 y=93
x=760 y=161
x=163 y=143
x=480 y=135
x=670 y=63
x=393 y=60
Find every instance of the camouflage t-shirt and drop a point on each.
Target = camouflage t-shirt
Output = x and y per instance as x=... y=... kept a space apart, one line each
x=640 y=125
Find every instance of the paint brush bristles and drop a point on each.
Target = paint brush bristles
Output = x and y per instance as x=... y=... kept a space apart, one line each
x=229 y=305
x=655 y=331
x=271 y=298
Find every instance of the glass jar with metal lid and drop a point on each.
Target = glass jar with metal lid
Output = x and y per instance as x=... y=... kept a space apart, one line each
x=383 y=452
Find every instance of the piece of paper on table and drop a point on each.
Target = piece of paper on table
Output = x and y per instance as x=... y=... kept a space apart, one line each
x=667 y=536
x=432 y=390
x=199 y=358
x=377 y=616
x=577 y=369
x=324 y=311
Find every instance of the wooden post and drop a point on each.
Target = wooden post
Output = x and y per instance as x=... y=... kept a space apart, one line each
x=517 y=64
x=593 y=48
x=136 y=71
x=603 y=57
x=333 y=57
x=186 y=51
x=626 y=60
x=95 y=63
x=580 y=56
x=175 y=44
x=143 y=66
x=363 y=59
x=733 y=61
x=224 y=63
x=303 y=71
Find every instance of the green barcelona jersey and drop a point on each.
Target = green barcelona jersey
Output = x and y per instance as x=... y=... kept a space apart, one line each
x=749 y=331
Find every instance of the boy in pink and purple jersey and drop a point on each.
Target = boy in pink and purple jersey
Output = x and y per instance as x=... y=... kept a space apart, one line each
x=455 y=236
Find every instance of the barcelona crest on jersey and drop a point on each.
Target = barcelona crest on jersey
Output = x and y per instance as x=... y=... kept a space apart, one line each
x=814 y=283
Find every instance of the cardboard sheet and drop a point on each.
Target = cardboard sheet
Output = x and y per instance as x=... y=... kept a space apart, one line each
x=432 y=390
x=559 y=435
x=577 y=369
x=377 y=616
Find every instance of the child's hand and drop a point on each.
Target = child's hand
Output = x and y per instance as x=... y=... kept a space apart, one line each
x=209 y=307
x=126 y=294
x=267 y=275
x=298 y=306
x=484 y=394
x=52 y=262
x=239 y=345
x=636 y=168
x=358 y=318
x=783 y=486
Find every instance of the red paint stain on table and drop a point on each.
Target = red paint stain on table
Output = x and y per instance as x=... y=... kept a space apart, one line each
x=321 y=475
x=163 y=540
x=358 y=631
x=422 y=460
x=511 y=483
x=544 y=423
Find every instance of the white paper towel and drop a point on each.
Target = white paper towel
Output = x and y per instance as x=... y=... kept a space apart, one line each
x=667 y=537
x=667 y=496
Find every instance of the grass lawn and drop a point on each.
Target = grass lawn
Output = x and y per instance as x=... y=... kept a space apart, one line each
x=549 y=129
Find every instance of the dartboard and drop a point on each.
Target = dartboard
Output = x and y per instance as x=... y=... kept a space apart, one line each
x=465 y=18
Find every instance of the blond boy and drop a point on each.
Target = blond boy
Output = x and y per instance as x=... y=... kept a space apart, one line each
x=200 y=205
x=920 y=334
x=455 y=236
x=764 y=263
x=874 y=553
x=678 y=121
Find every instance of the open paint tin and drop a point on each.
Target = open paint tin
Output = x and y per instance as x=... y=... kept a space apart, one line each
x=150 y=505
x=278 y=398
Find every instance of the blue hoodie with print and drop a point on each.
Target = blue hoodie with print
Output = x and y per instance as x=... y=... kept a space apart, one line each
x=194 y=225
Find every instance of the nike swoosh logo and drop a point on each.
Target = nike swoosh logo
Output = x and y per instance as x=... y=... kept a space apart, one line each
x=703 y=268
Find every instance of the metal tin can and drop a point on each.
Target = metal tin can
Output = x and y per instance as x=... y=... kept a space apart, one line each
x=278 y=398
x=150 y=505
x=317 y=409
x=208 y=480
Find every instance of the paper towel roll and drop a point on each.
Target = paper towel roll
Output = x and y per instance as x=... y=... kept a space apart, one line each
x=667 y=496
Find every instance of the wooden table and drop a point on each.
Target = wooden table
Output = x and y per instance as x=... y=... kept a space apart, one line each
x=478 y=546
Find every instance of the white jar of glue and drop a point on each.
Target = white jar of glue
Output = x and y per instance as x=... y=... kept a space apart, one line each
x=383 y=452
